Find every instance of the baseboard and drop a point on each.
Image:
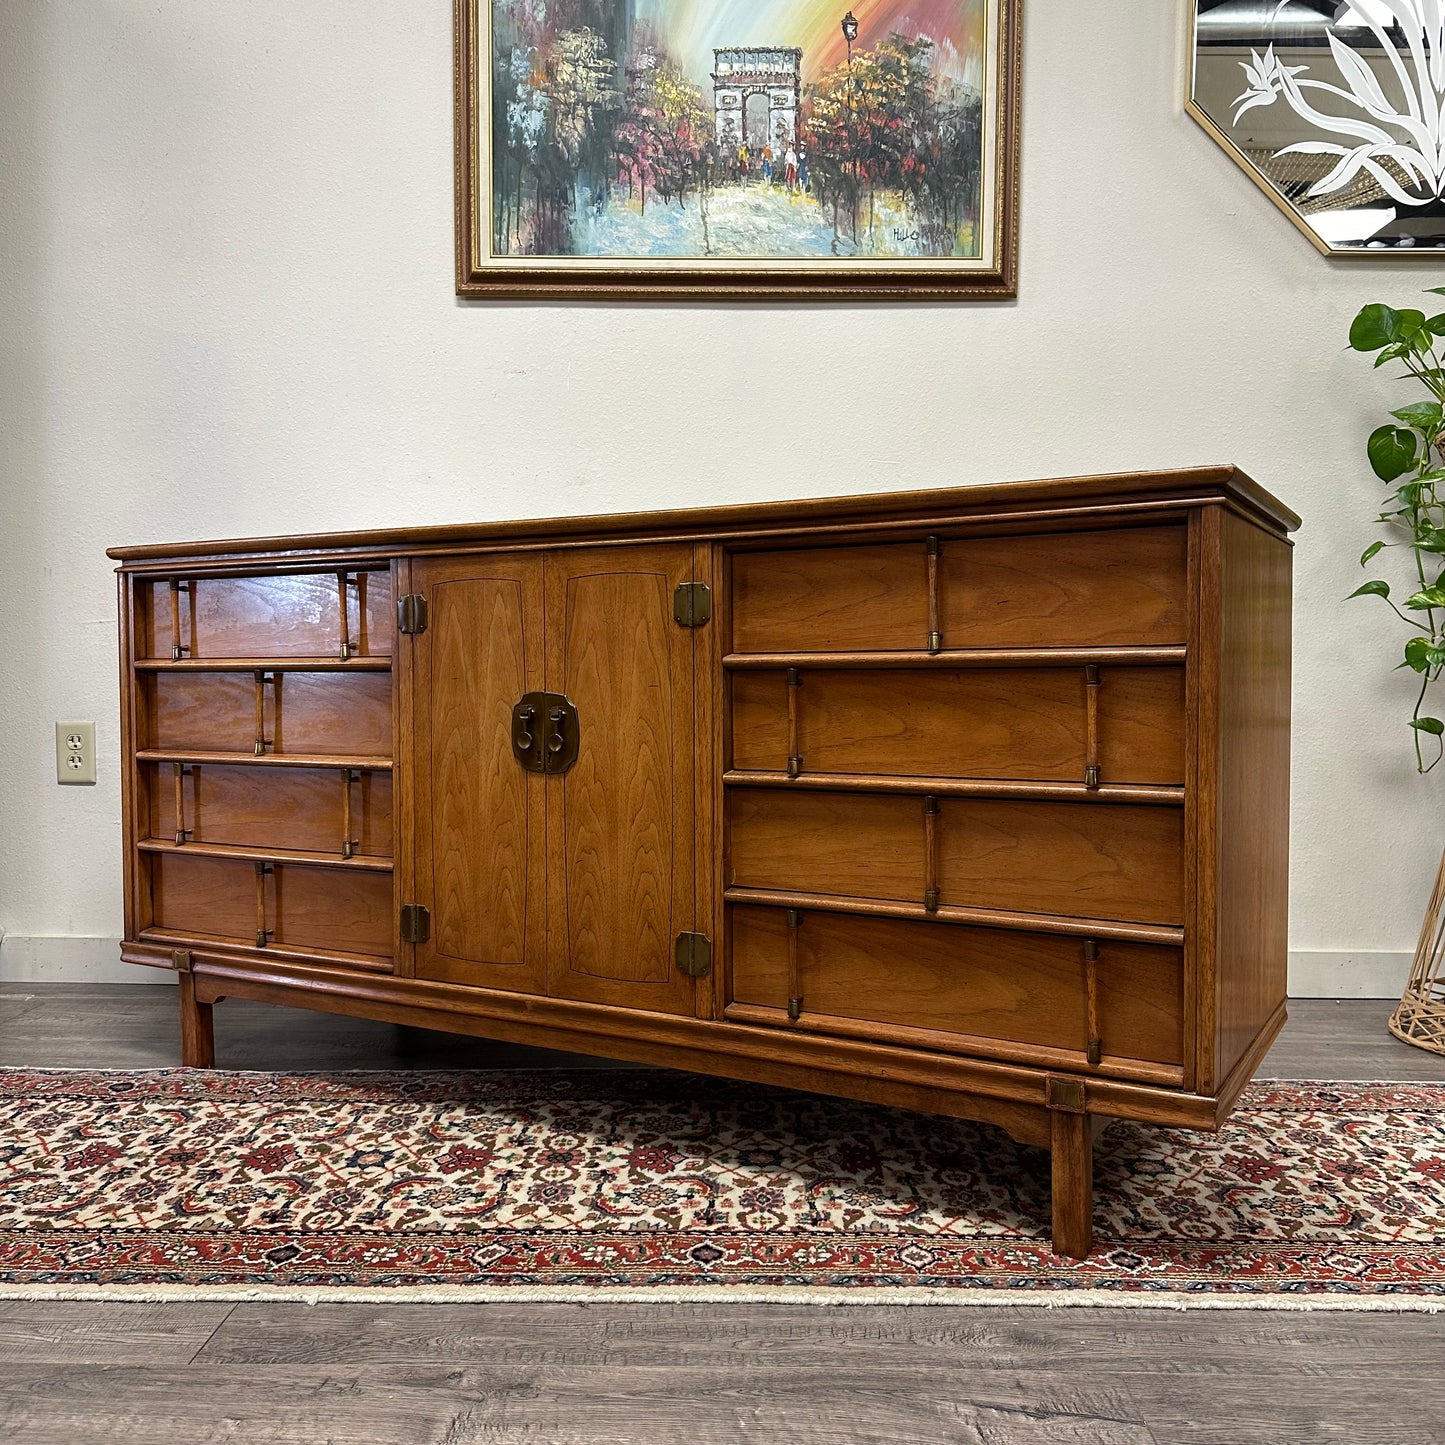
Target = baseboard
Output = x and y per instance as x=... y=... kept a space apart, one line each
x=64 y=958
x=1347 y=973
x=59 y=958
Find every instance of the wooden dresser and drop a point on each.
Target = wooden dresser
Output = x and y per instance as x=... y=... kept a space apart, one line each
x=970 y=801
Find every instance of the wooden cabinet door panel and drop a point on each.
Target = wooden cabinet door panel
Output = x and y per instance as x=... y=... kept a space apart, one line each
x=480 y=823
x=978 y=983
x=1021 y=724
x=621 y=819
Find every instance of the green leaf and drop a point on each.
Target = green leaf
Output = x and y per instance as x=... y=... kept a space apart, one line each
x=1436 y=324
x=1392 y=451
x=1435 y=290
x=1431 y=540
x=1374 y=327
x=1391 y=353
x=1410 y=322
x=1371 y=589
x=1425 y=599
x=1416 y=654
x=1429 y=725
x=1370 y=552
x=1422 y=414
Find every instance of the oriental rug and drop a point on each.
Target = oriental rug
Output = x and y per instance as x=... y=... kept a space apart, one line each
x=654 y=1185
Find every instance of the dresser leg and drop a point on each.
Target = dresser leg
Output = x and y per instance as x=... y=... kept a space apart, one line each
x=1073 y=1170
x=198 y=1039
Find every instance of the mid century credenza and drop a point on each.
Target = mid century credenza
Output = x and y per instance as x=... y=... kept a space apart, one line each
x=971 y=801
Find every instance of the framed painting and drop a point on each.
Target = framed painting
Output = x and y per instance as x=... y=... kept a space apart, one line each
x=740 y=148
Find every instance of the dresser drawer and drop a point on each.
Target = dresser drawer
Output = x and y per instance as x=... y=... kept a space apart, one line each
x=1057 y=589
x=251 y=807
x=992 y=990
x=1115 y=861
x=328 y=910
x=1026 y=724
x=344 y=714
x=295 y=615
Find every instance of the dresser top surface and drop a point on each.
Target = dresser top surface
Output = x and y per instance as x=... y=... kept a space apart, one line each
x=1090 y=496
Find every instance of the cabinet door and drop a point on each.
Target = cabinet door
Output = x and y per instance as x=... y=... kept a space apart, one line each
x=621 y=821
x=480 y=834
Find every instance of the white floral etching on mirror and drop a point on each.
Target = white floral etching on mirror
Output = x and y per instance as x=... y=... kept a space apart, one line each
x=1394 y=116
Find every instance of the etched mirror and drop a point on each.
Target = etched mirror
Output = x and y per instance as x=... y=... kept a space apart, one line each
x=1336 y=108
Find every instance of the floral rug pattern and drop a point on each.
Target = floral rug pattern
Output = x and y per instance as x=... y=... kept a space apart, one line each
x=632 y=1178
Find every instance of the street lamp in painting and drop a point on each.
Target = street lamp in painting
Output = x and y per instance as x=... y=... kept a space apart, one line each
x=850 y=34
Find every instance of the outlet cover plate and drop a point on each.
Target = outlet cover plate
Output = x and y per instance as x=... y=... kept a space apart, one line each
x=75 y=752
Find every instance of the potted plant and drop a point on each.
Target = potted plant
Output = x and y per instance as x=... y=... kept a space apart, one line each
x=1408 y=455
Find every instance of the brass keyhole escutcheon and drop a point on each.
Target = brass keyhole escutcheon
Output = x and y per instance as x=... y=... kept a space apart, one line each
x=545 y=732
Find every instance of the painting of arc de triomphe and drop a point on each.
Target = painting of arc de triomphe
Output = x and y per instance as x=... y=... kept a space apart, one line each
x=773 y=71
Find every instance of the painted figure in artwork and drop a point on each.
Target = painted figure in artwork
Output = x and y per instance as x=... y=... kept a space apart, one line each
x=638 y=128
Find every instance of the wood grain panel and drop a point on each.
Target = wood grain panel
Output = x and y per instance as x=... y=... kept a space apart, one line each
x=1065 y=589
x=1086 y=860
x=982 y=723
x=624 y=821
x=320 y=908
x=212 y=896
x=252 y=807
x=336 y=713
x=1253 y=786
x=481 y=835
x=1060 y=589
x=297 y=615
x=1141 y=725
x=831 y=599
x=860 y=845
x=324 y=908
x=986 y=983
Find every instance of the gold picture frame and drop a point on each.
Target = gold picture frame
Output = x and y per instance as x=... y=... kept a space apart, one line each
x=605 y=171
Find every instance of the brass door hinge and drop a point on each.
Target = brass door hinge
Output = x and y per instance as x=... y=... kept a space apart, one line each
x=415 y=923
x=694 y=954
x=692 y=604
x=411 y=613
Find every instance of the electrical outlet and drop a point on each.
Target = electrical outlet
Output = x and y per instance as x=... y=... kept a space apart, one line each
x=75 y=752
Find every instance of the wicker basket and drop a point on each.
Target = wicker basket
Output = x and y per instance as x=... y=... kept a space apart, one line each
x=1420 y=1017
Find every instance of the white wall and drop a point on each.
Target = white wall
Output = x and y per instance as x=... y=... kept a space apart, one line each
x=227 y=309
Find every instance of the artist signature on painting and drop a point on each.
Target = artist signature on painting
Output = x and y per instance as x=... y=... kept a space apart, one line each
x=902 y=233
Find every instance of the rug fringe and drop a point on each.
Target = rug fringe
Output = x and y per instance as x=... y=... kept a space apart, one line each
x=720 y=1294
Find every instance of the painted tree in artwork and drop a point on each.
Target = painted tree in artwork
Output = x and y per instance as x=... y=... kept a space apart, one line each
x=664 y=140
x=885 y=123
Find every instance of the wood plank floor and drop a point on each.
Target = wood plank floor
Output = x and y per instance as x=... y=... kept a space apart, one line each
x=291 y=1374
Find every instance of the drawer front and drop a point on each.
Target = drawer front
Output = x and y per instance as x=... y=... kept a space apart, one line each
x=1059 y=589
x=250 y=807
x=982 y=985
x=327 y=909
x=1113 y=861
x=322 y=712
x=287 y=616
x=1024 y=724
